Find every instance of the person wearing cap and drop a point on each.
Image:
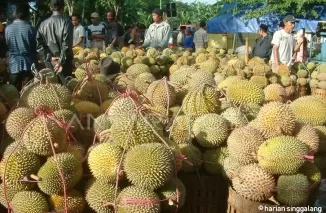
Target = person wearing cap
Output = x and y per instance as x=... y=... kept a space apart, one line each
x=201 y=37
x=263 y=47
x=55 y=40
x=159 y=33
x=283 y=44
x=96 y=32
x=20 y=38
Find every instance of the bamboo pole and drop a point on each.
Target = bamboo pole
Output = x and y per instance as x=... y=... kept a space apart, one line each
x=247 y=51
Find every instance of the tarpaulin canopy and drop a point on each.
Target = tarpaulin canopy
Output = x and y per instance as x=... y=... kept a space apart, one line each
x=227 y=22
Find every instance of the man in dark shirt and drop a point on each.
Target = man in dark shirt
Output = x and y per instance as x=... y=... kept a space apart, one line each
x=263 y=47
x=54 y=41
x=112 y=31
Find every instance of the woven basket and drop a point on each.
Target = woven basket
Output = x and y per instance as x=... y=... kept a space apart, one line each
x=204 y=194
x=238 y=204
x=319 y=93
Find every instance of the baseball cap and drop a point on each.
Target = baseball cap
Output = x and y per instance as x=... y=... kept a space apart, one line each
x=57 y=3
x=290 y=18
x=95 y=15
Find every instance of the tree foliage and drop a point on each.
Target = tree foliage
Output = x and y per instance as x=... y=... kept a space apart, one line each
x=296 y=7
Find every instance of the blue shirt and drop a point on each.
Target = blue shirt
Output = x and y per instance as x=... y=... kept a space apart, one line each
x=188 y=42
x=21 y=41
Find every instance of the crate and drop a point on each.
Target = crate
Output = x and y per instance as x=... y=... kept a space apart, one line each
x=238 y=204
x=204 y=193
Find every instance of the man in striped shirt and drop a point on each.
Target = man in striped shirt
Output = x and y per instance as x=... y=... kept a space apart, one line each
x=159 y=33
x=21 y=41
x=201 y=37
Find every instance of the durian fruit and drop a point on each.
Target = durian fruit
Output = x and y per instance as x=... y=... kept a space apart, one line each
x=136 y=69
x=228 y=81
x=152 y=52
x=200 y=77
x=51 y=95
x=75 y=202
x=180 y=130
x=153 y=169
x=200 y=101
x=181 y=76
x=143 y=81
x=103 y=161
x=254 y=62
x=77 y=149
x=311 y=66
x=70 y=169
x=283 y=70
x=308 y=135
x=135 y=130
x=312 y=172
x=261 y=69
x=210 y=65
x=69 y=118
x=276 y=119
x=161 y=93
x=229 y=70
x=29 y=201
x=86 y=108
x=235 y=116
x=244 y=92
x=98 y=193
x=18 y=120
x=243 y=144
x=148 y=201
x=93 y=91
x=321 y=131
x=230 y=167
x=293 y=190
x=254 y=183
x=122 y=108
x=192 y=160
x=102 y=123
x=302 y=73
x=43 y=136
x=5 y=198
x=310 y=110
x=282 y=155
x=275 y=92
x=18 y=164
x=9 y=94
x=173 y=192
x=261 y=81
x=214 y=159
x=210 y=130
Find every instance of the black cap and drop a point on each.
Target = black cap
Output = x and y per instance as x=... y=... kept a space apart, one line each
x=290 y=18
x=57 y=3
x=263 y=27
x=158 y=11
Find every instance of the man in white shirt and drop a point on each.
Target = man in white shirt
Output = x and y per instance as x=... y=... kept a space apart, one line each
x=181 y=36
x=79 y=32
x=283 y=44
x=159 y=33
x=96 y=32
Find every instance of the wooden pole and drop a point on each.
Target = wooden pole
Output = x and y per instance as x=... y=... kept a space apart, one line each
x=247 y=51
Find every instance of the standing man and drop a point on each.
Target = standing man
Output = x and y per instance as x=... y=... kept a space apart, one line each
x=181 y=36
x=54 y=41
x=263 y=47
x=283 y=44
x=96 y=32
x=112 y=31
x=79 y=32
x=201 y=37
x=159 y=33
x=3 y=46
x=20 y=38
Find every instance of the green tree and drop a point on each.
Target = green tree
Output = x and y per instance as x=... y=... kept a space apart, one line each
x=297 y=7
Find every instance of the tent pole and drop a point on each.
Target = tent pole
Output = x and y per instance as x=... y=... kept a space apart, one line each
x=233 y=45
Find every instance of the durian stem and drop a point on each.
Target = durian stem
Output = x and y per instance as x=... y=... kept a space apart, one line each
x=272 y=199
x=34 y=177
x=108 y=204
x=56 y=145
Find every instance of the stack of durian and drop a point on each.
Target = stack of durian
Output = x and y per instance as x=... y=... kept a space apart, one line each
x=318 y=77
x=120 y=143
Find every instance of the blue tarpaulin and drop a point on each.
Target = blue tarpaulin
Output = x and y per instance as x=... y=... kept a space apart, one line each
x=227 y=22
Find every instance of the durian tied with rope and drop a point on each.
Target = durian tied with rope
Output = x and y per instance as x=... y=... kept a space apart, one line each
x=200 y=101
x=45 y=133
x=54 y=96
x=92 y=90
x=161 y=93
x=75 y=202
x=55 y=180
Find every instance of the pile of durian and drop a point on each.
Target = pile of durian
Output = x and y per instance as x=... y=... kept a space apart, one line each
x=106 y=145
